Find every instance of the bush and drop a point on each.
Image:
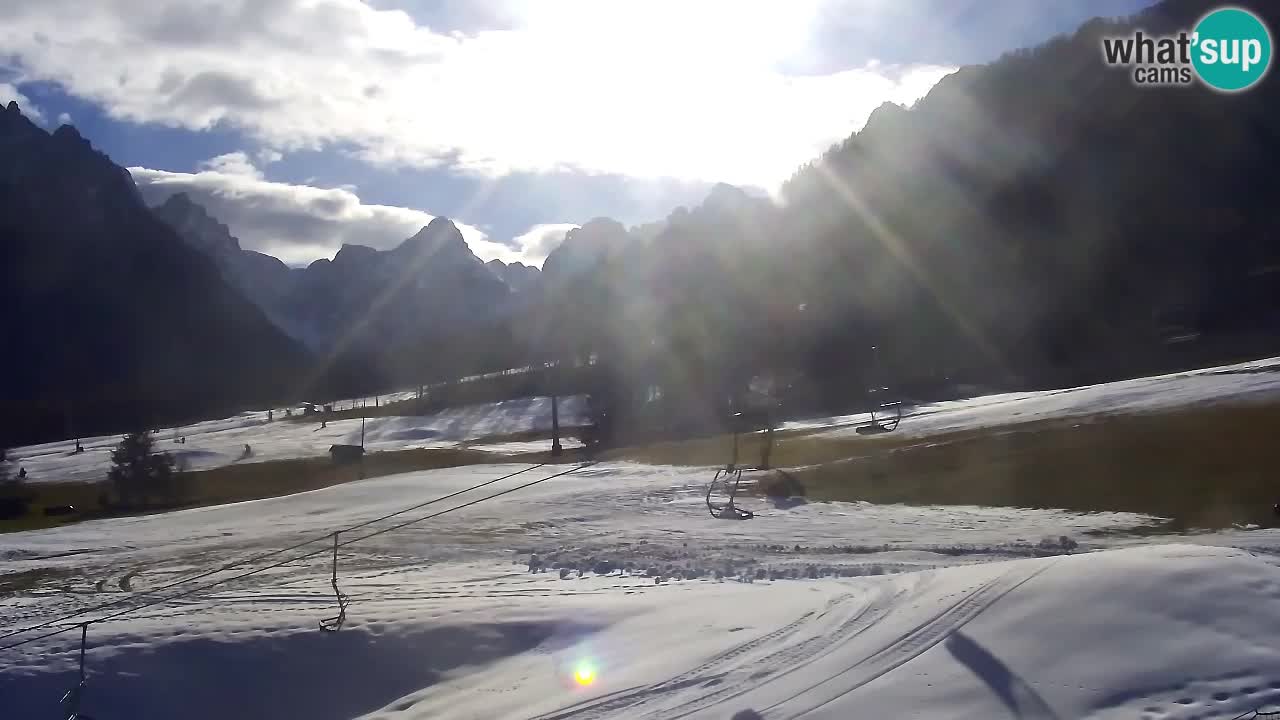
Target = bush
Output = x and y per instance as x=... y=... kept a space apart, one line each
x=780 y=484
x=138 y=473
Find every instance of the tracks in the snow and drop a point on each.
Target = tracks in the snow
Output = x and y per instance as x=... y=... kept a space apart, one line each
x=904 y=648
x=748 y=672
x=731 y=672
x=792 y=658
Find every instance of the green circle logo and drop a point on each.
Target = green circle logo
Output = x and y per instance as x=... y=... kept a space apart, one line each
x=1231 y=49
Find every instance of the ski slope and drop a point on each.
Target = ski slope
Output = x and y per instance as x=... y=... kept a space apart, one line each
x=609 y=593
x=1256 y=381
x=216 y=443
x=852 y=609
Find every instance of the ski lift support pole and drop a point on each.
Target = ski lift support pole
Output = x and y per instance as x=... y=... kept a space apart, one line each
x=556 y=450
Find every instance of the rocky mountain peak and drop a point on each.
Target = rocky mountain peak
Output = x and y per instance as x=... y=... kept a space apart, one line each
x=14 y=125
x=516 y=275
x=351 y=254
x=439 y=242
x=69 y=133
x=195 y=225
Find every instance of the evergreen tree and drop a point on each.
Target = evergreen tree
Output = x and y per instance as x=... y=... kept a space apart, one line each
x=138 y=472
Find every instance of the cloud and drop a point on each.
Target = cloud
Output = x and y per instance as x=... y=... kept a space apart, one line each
x=232 y=163
x=487 y=250
x=266 y=156
x=301 y=223
x=538 y=242
x=9 y=93
x=64 y=118
x=657 y=89
x=465 y=17
x=531 y=247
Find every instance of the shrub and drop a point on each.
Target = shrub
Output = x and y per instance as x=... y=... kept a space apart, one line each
x=779 y=484
x=138 y=473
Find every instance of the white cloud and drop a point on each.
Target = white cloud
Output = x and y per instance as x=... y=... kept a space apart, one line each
x=300 y=223
x=64 y=118
x=232 y=163
x=538 y=242
x=9 y=93
x=660 y=88
x=487 y=250
x=266 y=156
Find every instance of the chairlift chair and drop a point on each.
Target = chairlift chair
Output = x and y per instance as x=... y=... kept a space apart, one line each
x=729 y=478
x=884 y=416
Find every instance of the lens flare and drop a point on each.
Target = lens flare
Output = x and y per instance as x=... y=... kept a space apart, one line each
x=584 y=675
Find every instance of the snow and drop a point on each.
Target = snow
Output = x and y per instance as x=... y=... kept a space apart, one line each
x=937 y=611
x=1256 y=381
x=216 y=443
x=814 y=610
x=221 y=442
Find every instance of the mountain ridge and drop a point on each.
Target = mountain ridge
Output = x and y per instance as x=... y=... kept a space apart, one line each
x=114 y=320
x=374 y=309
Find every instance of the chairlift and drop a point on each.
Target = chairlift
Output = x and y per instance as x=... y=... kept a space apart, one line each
x=885 y=415
x=729 y=479
x=334 y=624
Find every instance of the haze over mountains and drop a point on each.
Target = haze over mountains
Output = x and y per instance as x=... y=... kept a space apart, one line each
x=362 y=294
x=1035 y=221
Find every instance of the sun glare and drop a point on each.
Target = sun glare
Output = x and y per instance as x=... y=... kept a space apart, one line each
x=696 y=81
x=711 y=32
x=584 y=675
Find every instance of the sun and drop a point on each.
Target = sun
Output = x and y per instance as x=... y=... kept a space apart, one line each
x=668 y=88
x=690 y=34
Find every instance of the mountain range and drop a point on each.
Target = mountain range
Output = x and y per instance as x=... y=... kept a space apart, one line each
x=128 y=315
x=1036 y=221
x=362 y=295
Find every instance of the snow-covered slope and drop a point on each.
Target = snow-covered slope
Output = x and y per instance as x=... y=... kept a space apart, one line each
x=645 y=607
x=221 y=442
x=1025 y=639
x=872 y=611
x=1257 y=381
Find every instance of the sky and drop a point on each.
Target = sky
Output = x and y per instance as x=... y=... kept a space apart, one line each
x=306 y=124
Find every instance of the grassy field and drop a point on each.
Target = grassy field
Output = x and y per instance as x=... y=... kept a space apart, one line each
x=1211 y=466
x=253 y=481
